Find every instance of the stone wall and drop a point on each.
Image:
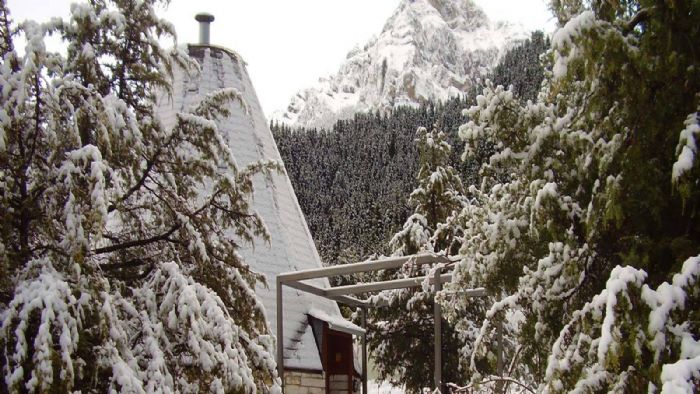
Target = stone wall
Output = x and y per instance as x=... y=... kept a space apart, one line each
x=297 y=382
x=339 y=384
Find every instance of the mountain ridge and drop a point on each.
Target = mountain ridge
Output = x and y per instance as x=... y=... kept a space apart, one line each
x=428 y=50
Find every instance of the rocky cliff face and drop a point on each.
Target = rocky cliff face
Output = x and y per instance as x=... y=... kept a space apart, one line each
x=428 y=50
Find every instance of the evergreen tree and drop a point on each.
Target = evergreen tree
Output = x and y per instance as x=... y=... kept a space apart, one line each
x=521 y=67
x=118 y=263
x=584 y=228
x=401 y=334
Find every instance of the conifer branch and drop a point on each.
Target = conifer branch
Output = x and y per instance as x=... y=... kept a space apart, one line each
x=641 y=16
x=137 y=185
x=491 y=379
x=138 y=242
x=150 y=164
x=133 y=263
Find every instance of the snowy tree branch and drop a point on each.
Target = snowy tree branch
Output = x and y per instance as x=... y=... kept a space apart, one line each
x=150 y=164
x=133 y=263
x=139 y=242
x=137 y=185
x=641 y=16
x=491 y=379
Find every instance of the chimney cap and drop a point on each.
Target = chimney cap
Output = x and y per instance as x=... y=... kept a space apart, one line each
x=204 y=17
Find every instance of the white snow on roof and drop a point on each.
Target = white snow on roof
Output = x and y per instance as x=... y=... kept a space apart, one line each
x=291 y=247
x=337 y=323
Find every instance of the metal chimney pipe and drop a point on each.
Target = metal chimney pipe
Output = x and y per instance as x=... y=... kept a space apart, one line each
x=204 y=20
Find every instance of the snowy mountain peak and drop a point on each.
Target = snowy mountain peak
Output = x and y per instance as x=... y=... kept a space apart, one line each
x=427 y=50
x=459 y=14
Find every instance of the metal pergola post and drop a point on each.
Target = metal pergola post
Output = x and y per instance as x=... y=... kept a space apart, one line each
x=280 y=333
x=364 y=352
x=437 y=324
x=343 y=294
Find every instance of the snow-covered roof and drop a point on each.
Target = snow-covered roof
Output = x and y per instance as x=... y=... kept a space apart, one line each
x=337 y=323
x=291 y=247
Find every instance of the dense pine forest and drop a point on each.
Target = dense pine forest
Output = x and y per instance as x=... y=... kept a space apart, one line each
x=353 y=181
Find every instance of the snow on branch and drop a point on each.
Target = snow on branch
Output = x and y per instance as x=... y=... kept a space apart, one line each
x=687 y=149
x=604 y=343
x=188 y=331
x=45 y=311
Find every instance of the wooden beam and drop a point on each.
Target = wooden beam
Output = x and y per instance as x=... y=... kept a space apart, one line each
x=351 y=301
x=477 y=292
x=385 y=285
x=306 y=287
x=375 y=265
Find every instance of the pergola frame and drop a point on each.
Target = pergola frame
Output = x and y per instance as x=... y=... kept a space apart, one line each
x=344 y=294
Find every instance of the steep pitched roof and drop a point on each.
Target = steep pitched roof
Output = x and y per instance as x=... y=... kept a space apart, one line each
x=291 y=247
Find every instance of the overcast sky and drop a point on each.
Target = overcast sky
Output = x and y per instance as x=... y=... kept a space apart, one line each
x=289 y=44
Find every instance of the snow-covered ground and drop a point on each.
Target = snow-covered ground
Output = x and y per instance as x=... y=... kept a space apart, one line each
x=384 y=388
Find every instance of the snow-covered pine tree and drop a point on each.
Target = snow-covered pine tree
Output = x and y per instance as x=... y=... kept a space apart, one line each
x=439 y=194
x=401 y=334
x=521 y=67
x=118 y=262
x=585 y=225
